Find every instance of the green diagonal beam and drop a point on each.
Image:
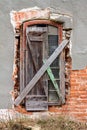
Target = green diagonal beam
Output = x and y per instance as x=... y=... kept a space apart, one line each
x=49 y=71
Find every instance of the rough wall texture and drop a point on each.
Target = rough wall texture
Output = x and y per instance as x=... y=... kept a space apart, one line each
x=79 y=51
x=76 y=82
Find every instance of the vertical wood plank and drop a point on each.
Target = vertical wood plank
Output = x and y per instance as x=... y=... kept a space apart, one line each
x=62 y=74
x=21 y=59
x=45 y=56
x=26 y=68
x=24 y=57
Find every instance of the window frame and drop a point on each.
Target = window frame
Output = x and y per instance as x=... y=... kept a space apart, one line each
x=62 y=55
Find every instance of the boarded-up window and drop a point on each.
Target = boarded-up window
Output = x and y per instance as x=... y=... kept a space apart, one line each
x=40 y=42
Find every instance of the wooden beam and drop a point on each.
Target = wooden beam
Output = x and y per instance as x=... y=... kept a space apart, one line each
x=62 y=75
x=49 y=71
x=40 y=73
x=36 y=38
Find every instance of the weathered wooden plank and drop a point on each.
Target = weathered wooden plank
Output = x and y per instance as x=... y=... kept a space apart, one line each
x=45 y=85
x=54 y=103
x=62 y=75
x=35 y=30
x=40 y=72
x=45 y=56
x=36 y=96
x=27 y=63
x=36 y=38
x=24 y=68
x=36 y=105
x=21 y=60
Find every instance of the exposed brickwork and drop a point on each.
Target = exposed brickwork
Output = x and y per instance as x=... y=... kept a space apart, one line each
x=16 y=66
x=76 y=103
x=78 y=93
x=17 y=18
x=76 y=80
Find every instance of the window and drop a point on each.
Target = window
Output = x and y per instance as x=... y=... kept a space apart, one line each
x=52 y=45
x=38 y=41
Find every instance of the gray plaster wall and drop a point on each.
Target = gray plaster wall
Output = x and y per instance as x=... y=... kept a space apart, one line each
x=76 y=8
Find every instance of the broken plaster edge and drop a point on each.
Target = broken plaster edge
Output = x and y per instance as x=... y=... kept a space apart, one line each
x=53 y=15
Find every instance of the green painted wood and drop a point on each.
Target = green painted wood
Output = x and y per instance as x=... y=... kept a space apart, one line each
x=52 y=78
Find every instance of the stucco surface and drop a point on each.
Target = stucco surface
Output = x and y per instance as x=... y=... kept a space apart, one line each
x=76 y=9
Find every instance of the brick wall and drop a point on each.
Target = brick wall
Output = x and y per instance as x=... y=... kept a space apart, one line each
x=78 y=94
x=76 y=100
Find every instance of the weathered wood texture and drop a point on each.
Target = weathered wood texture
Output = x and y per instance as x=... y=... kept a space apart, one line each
x=62 y=75
x=21 y=59
x=40 y=72
x=36 y=52
x=36 y=102
x=36 y=105
x=34 y=56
